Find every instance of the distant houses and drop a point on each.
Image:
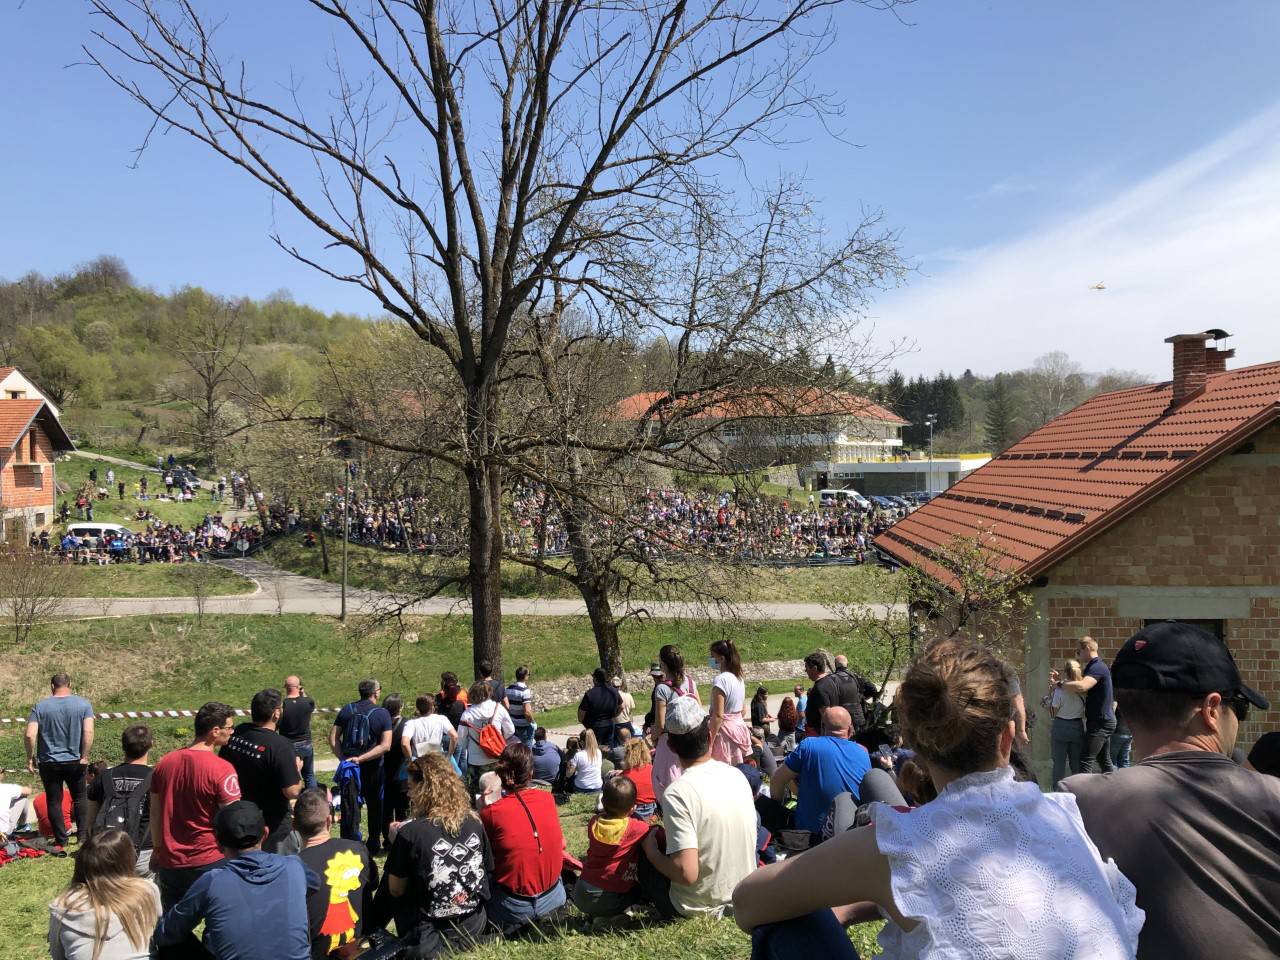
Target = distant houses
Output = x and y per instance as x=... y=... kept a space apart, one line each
x=31 y=437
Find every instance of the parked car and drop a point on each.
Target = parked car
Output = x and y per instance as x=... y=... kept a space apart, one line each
x=96 y=531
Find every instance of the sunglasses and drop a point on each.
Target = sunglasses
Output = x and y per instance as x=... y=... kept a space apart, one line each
x=1239 y=706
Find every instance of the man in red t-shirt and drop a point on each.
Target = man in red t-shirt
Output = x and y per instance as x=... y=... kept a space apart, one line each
x=188 y=788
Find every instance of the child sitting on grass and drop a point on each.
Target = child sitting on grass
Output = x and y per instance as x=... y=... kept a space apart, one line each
x=608 y=882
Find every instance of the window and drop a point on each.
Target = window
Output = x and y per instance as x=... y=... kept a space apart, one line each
x=1216 y=627
x=40 y=520
x=17 y=394
x=32 y=445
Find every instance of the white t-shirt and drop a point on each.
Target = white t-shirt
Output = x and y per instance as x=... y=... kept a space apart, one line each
x=427 y=733
x=734 y=691
x=1070 y=706
x=626 y=706
x=475 y=719
x=10 y=795
x=710 y=808
x=586 y=775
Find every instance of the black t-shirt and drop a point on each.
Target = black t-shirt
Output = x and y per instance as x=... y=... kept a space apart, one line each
x=600 y=705
x=295 y=720
x=124 y=780
x=265 y=765
x=825 y=693
x=344 y=867
x=379 y=723
x=448 y=875
x=394 y=758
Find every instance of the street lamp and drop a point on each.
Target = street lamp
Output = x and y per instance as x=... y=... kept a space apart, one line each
x=931 y=419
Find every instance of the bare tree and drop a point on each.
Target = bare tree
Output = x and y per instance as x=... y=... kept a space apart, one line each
x=199 y=577
x=477 y=153
x=33 y=585
x=208 y=336
x=1055 y=384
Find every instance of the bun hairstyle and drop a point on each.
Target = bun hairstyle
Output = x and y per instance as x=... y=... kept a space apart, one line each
x=954 y=703
x=730 y=659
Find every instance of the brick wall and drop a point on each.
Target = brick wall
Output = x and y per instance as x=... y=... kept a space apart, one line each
x=24 y=488
x=1219 y=528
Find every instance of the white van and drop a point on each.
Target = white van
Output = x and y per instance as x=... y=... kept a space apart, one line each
x=95 y=531
x=840 y=496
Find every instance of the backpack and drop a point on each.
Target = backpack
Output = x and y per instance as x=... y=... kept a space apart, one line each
x=356 y=735
x=123 y=811
x=490 y=737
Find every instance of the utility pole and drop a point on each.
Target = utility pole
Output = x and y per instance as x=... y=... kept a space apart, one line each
x=931 y=419
x=346 y=532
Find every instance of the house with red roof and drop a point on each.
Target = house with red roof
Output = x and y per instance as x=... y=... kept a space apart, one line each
x=31 y=437
x=14 y=385
x=1151 y=503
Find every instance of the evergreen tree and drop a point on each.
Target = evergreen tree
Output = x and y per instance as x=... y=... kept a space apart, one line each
x=893 y=392
x=999 y=424
x=947 y=404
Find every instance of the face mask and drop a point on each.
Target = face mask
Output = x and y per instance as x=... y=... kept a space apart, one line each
x=713 y=663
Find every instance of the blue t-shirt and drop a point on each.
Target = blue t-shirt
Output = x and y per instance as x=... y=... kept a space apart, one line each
x=1099 y=701
x=827 y=767
x=379 y=723
x=61 y=722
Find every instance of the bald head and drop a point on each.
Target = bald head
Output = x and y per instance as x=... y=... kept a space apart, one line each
x=842 y=662
x=291 y=686
x=836 y=722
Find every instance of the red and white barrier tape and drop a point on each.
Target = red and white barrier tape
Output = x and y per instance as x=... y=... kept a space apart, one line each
x=155 y=714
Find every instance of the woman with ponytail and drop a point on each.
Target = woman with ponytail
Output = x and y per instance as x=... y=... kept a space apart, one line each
x=108 y=912
x=991 y=868
x=730 y=735
x=673 y=685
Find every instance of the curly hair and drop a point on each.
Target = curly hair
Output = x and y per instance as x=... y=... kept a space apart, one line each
x=437 y=794
x=636 y=754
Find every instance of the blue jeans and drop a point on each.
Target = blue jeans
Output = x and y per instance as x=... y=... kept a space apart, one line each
x=816 y=934
x=307 y=753
x=525 y=733
x=1067 y=746
x=1121 y=746
x=509 y=910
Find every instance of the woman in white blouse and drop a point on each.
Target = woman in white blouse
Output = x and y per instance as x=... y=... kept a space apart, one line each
x=991 y=869
x=1068 y=721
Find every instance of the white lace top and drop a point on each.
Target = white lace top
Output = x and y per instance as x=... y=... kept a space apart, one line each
x=996 y=869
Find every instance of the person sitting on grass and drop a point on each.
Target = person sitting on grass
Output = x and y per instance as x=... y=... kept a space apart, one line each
x=992 y=868
x=108 y=912
x=440 y=863
x=584 y=771
x=528 y=846
x=608 y=885
x=339 y=908
x=637 y=766
x=546 y=757
x=254 y=906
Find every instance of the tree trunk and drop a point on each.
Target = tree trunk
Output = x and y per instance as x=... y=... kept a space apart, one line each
x=484 y=490
x=593 y=583
x=324 y=549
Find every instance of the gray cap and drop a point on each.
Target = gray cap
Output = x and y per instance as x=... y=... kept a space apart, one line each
x=684 y=714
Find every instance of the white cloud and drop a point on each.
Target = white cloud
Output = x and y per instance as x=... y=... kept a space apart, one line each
x=1008 y=187
x=1193 y=246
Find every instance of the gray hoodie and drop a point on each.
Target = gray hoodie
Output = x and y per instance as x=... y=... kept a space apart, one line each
x=71 y=934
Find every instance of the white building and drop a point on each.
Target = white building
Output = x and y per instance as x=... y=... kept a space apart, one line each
x=877 y=477
x=14 y=386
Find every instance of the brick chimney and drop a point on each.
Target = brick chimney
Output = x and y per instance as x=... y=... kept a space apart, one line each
x=1193 y=361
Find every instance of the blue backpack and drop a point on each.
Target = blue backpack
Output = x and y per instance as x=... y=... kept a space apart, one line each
x=356 y=736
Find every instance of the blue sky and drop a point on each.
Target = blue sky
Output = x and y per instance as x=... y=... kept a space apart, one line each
x=1024 y=150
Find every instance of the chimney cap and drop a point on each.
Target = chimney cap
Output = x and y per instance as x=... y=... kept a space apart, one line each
x=1202 y=336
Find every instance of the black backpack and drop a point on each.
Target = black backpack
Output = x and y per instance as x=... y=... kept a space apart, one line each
x=123 y=811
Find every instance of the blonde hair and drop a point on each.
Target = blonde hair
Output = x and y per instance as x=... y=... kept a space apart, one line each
x=1072 y=670
x=104 y=881
x=590 y=746
x=635 y=754
x=437 y=794
x=1089 y=644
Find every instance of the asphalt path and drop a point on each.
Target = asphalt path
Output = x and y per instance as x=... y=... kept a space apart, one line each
x=280 y=591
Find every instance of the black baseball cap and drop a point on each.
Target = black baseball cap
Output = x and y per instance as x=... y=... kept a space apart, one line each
x=239 y=825
x=1180 y=658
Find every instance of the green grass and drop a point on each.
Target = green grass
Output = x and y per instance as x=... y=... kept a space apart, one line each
x=372 y=569
x=29 y=885
x=168 y=662
x=153 y=580
x=72 y=473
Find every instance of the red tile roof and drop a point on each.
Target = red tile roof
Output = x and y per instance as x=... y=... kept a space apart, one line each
x=5 y=371
x=16 y=416
x=797 y=402
x=1079 y=474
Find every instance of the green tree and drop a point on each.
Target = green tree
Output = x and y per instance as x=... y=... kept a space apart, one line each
x=62 y=367
x=999 y=426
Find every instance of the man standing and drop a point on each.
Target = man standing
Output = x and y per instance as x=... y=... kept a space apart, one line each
x=1099 y=707
x=254 y=908
x=59 y=737
x=295 y=726
x=710 y=825
x=340 y=906
x=118 y=797
x=598 y=708
x=1195 y=833
x=188 y=788
x=520 y=700
x=824 y=693
x=855 y=691
x=823 y=767
x=362 y=734
x=267 y=769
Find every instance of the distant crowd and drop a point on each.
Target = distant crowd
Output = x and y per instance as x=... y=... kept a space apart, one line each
x=933 y=825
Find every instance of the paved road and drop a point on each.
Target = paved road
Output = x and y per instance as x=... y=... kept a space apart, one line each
x=300 y=594
x=116 y=460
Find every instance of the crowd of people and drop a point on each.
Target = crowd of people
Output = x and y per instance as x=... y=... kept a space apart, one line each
x=157 y=542
x=933 y=824
x=757 y=529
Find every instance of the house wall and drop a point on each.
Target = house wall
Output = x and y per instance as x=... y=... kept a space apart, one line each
x=1206 y=550
x=16 y=383
x=26 y=494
